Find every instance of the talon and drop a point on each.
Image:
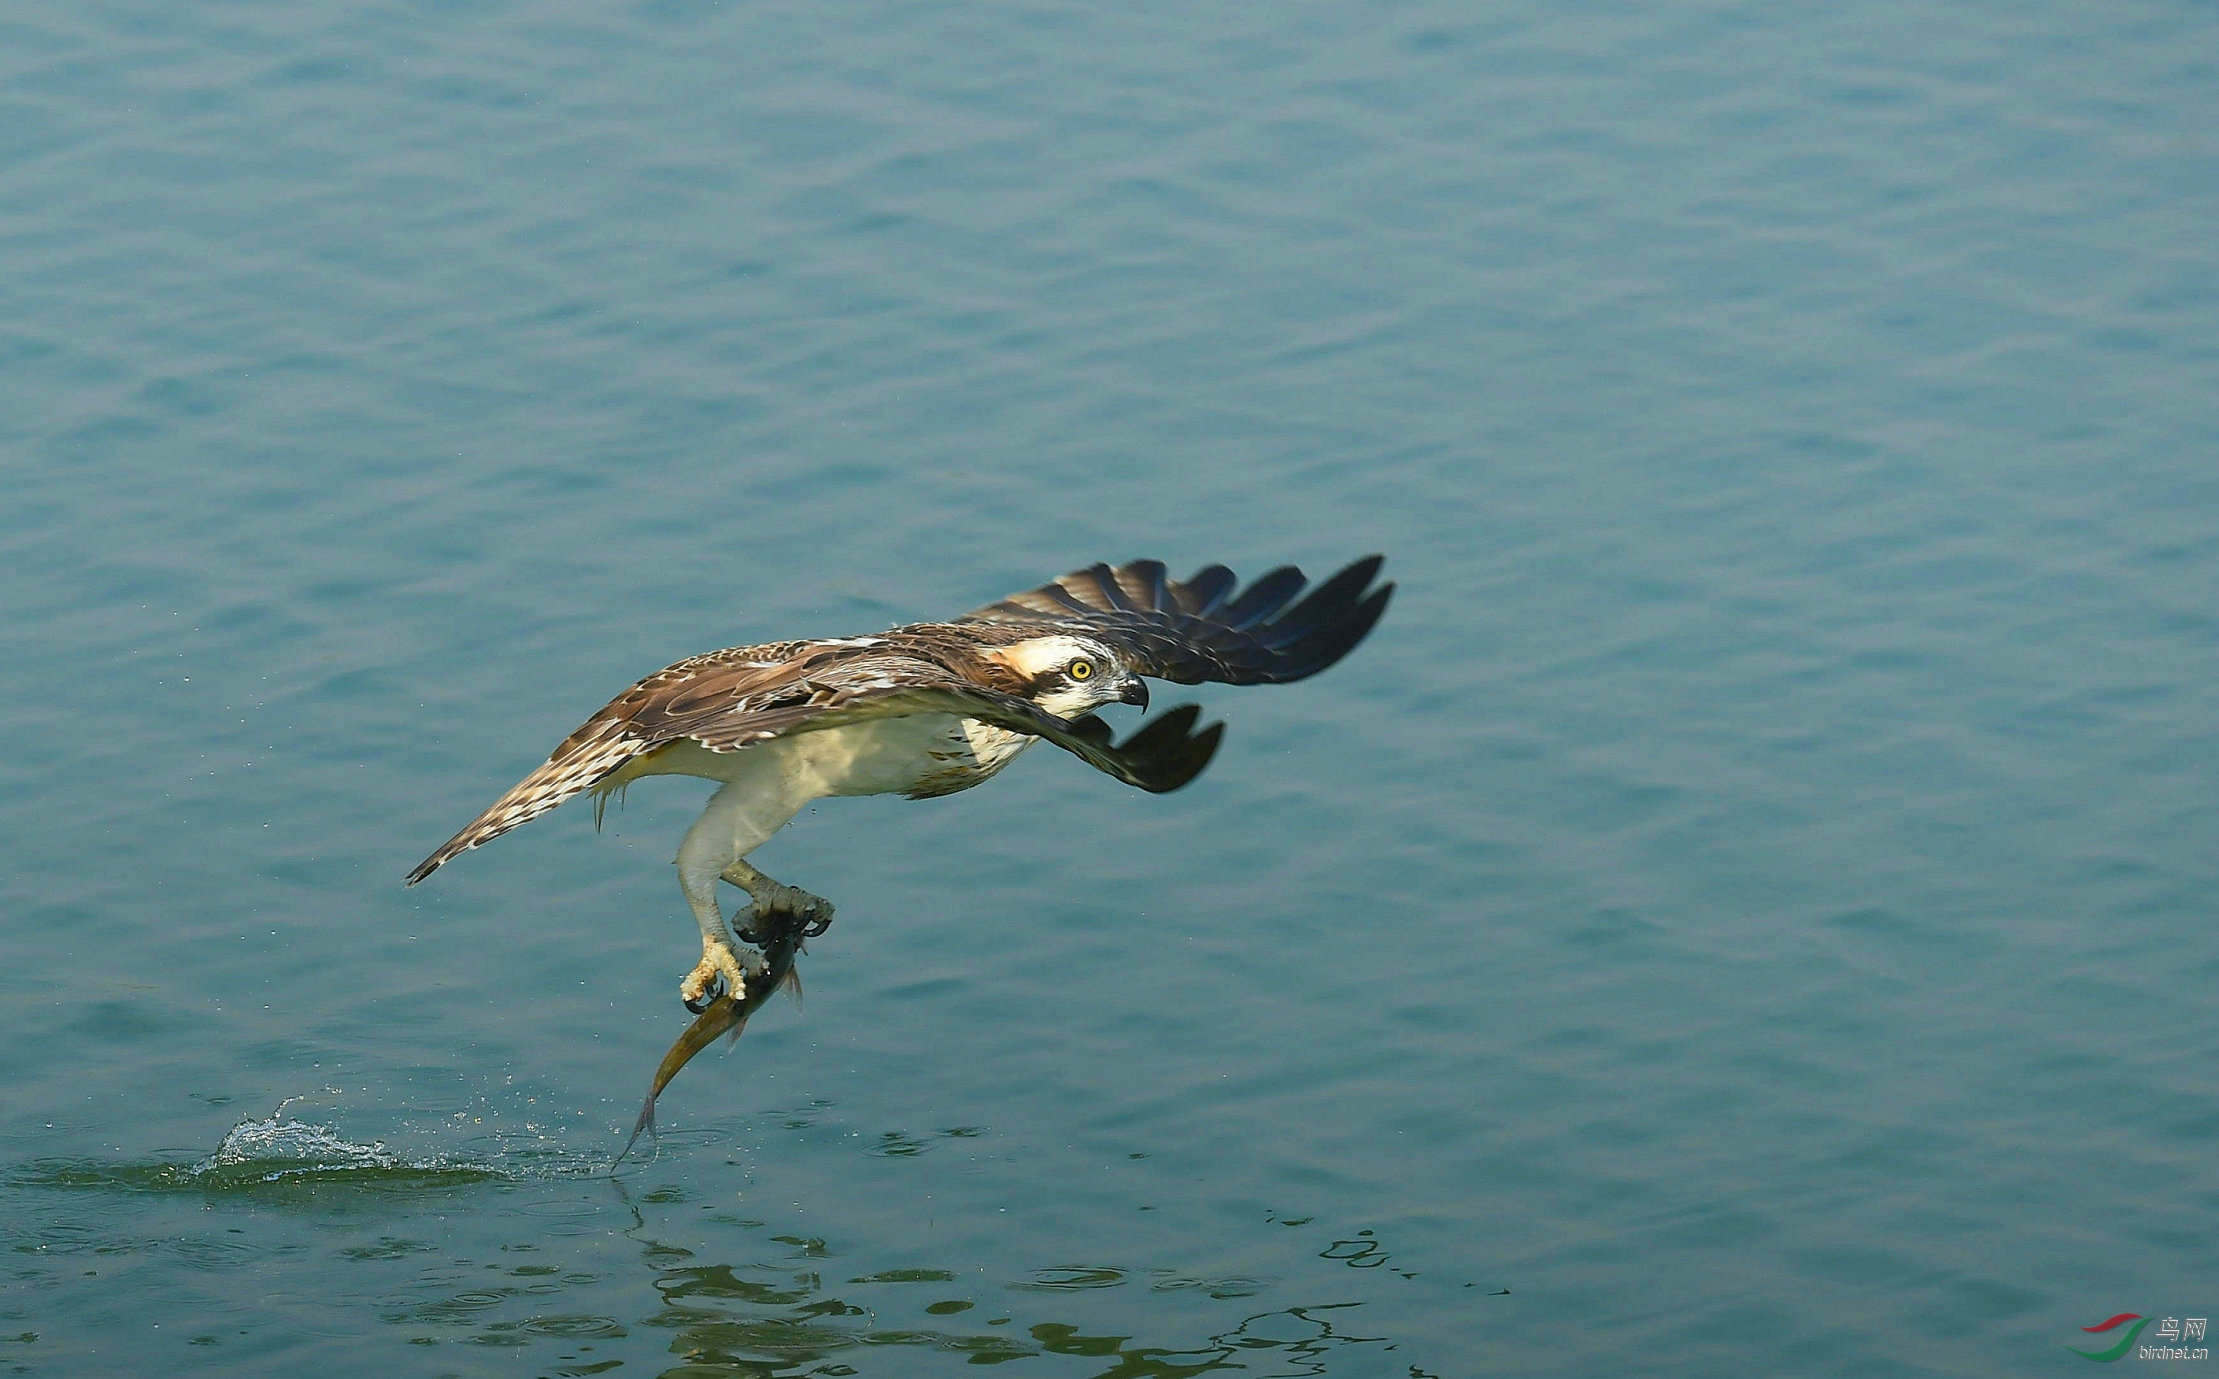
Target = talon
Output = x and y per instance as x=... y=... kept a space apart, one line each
x=702 y=986
x=814 y=911
x=762 y=926
x=772 y=903
x=720 y=971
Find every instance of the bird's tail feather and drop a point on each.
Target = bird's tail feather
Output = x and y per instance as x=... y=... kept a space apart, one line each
x=575 y=766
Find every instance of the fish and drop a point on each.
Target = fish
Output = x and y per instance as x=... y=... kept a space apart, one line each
x=725 y=1015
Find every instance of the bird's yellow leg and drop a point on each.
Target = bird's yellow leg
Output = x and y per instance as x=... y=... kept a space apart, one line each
x=720 y=957
x=738 y=818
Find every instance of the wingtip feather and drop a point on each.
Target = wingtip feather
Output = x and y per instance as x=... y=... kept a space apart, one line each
x=1323 y=640
x=1270 y=593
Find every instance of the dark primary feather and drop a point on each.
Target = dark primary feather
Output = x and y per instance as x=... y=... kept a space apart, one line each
x=1162 y=755
x=1192 y=631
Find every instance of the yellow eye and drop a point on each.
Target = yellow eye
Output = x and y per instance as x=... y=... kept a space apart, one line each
x=1080 y=670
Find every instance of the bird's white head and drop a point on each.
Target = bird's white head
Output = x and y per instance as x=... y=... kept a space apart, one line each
x=1069 y=676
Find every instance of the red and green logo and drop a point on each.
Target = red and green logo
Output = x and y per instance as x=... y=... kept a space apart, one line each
x=2126 y=1343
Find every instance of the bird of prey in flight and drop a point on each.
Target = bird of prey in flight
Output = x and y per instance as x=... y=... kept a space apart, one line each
x=930 y=709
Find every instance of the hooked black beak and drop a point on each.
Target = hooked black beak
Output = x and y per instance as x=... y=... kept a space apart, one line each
x=1134 y=692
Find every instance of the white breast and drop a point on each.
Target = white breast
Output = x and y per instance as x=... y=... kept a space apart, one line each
x=920 y=755
x=893 y=756
x=972 y=752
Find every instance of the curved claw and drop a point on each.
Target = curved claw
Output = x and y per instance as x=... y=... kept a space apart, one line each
x=774 y=909
x=708 y=997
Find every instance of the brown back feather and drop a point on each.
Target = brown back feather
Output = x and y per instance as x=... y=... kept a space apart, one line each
x=730 y=699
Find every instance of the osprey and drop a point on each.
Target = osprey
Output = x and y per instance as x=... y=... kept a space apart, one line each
x=930 y=709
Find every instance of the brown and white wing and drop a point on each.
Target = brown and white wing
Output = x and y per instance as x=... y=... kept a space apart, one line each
x=729 y=700
x=725 y=700
x=1200 y=629
x=587 y=755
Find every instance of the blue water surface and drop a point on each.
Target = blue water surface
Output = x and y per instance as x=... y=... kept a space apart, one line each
x=1747 y=910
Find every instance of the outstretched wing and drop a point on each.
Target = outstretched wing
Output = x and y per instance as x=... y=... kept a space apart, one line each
x=727 y=700
x=1200 y=629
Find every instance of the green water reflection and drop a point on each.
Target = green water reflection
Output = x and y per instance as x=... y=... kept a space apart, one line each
x=784 y=1318
x=725 y=1322
x=640 y=1291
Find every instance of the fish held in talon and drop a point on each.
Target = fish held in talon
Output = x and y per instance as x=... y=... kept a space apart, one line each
x=725 y=1014
x=927 y=710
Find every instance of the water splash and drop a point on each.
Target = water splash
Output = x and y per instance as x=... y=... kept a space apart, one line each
x=275 y=1149
x=274 y=1154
